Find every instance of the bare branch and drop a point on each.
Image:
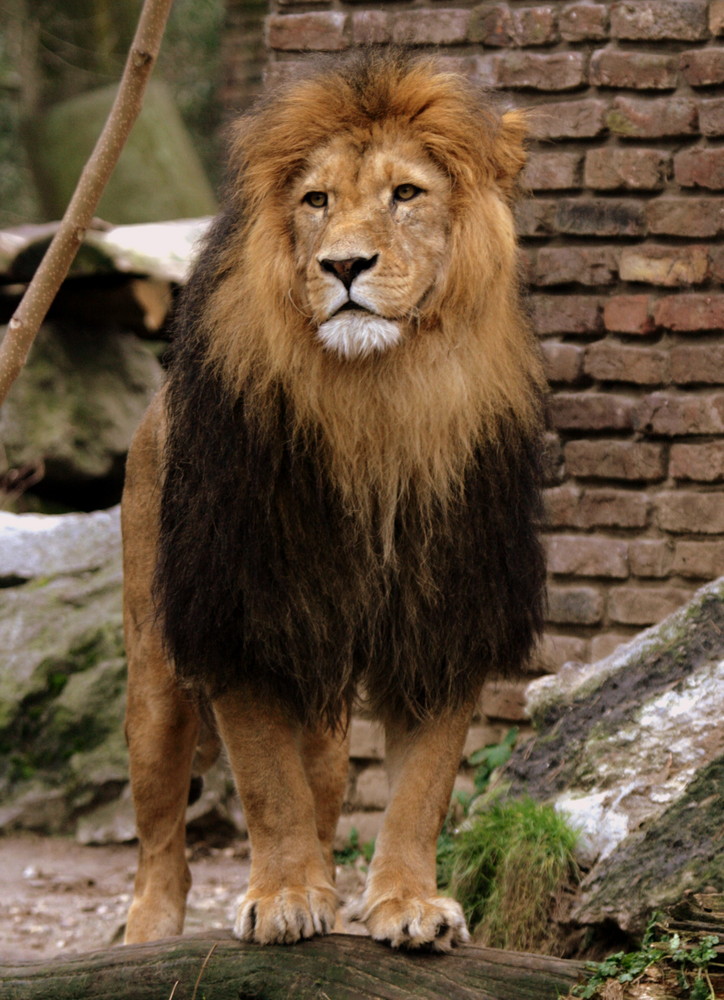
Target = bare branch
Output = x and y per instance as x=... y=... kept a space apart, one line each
x=54 y=267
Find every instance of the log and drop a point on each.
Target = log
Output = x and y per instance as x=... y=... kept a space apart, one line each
x=338 y=967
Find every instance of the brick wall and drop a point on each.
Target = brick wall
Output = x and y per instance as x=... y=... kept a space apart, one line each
x=622 y=254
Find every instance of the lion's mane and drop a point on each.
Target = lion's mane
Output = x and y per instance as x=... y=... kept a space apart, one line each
x=327 y=524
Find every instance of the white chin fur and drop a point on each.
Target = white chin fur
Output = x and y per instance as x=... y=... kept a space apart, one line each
x=354 y=335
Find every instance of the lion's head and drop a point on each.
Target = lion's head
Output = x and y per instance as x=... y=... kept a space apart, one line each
x=370 y=268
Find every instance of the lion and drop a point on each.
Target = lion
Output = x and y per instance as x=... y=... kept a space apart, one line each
x=336 y=494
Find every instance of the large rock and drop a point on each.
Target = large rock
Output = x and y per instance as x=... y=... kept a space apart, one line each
x=632 y=749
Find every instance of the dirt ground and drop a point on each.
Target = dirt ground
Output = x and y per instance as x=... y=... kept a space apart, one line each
x=58 y=897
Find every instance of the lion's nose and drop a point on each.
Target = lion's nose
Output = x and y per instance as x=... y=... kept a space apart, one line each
x=348 y=269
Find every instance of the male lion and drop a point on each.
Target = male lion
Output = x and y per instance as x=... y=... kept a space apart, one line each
x=336 y=493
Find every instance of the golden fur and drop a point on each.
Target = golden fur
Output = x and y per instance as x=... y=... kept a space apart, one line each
x=412 y=438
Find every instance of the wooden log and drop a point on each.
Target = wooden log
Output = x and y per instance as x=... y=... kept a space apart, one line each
x=338 y=967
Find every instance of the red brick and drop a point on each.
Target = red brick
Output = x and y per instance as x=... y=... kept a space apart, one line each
x=582 y=119
x=646 y=119
x=370 y=27
x=528 y=70
x=650 y=557
x=698 y=217
x=628 y=314
x=600 y=217
x=703 y=67
x=674 y=416
x=609 y=361
x=665 y=265
x=552 y=171
x=632 y=461
x=634 y=70
x=492 y=25
x=535 y=217
x=684 y=512
x=579 y=22
x=717 y=263
x=644 y=606
x=698 y=364
x=569 y=506
x=535 y=26
x=616 y=167
x=716 y=17
x=317 y=30
x=574 y=605
x=582 y=555
x=711 y=117
x=655 y=20
x=700 y=462
x=555 y=650
x=591 y=411
x=699 y=560
x=565 y=313
x=700 y=168
x=563 y=362
x=584 y=265
x=431 y=27
x=690 y=312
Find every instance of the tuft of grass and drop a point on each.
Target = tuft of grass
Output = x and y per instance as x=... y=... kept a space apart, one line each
x=354 y=850
x=509 y=866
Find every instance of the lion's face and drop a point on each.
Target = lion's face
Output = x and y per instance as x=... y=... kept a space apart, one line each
x=371 y=226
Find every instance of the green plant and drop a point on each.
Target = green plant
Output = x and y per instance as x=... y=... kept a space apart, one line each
x=508 y=865
x=489 y=758
x=687 y=960
x=354 y=850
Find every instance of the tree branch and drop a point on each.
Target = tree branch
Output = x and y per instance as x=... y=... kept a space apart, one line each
x=53 y=268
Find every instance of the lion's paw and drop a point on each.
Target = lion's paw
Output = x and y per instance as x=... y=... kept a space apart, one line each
x=435 y=923
x=286 y=916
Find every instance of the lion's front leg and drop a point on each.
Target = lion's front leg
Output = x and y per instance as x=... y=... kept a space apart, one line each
x=291 y=894
x=401 y=904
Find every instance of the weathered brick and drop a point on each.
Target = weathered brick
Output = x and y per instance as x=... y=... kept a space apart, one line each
x=555 y=650
x=482 y=734
x=674 y=416
x=591 y=411
x=702 y=463
x=711 y=117
x=371 y=789
x=649 y=557
x=684 y=512
x=629 y=460
x=528 y=70
x=628 y=314
x=535 y=217
x=665 y=265
x=717 y=263
x=584 y=265
x=367 y=739
x=321 y=31
x=574 y=605
x=645 y=119
x=579 y=22
x=370 y=27
x=605 y=643
x=698 y=364
x=617 y=167
x=644 y=606
x=552 y=171
x=690 y=312
x=656 y=20
x=600 y=217
x=703 y=67
x=700 y=168
x=582 y=119
x=699 y=560
x=609 y=361
x=716 y=17
x=698 y=217
x=492 y=25
x=552 y=459
x=582 y=555
x=565 y=313
x=431 y=27
x=570 y=506
x=366 y=825
x=501 y=699
x=563 y=362
x=634 y=70
x=535 y=26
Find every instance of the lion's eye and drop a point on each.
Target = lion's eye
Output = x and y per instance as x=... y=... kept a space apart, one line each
x=406 y=192
x=317 y=199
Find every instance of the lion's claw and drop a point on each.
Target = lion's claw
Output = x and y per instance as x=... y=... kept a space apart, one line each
x=435 y=923
x=285 y=916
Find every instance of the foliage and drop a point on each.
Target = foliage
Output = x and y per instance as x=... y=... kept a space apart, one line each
x=354 y=851
x=687 y=959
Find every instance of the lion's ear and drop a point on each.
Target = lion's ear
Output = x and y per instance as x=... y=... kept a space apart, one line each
x=510 y=154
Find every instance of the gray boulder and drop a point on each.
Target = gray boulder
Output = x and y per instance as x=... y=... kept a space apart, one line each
x=632 y=749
